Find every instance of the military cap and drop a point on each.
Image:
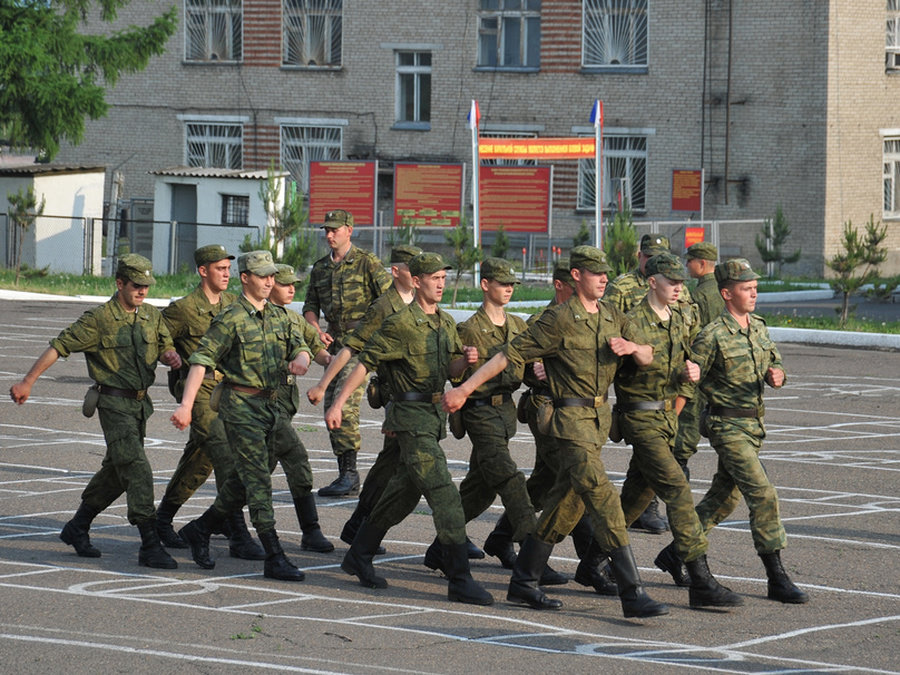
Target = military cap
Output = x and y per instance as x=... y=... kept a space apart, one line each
x=427 y=263
x=136 y=268
x=259 y=263
x=286 y=275
x=589 y=258
x=667 y=265
x=338 y=218
x=211 y=254
x=562 y=272
x=702 y=250
x=499 y=270
x=736 y=269
x=654 y=244
x=403 y=253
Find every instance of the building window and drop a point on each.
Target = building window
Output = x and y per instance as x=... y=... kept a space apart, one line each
x=414 y=89
x=892 y=177
x=614 y=33
x=215 y=145
x=312 y=32
x=301 y=145
x=213 y=30
x=624 y=176
x=892 y=40
x=235 y=210
x=509 y=33
x=508 y=162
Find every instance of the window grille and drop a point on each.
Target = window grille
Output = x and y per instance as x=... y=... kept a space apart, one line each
x=213 y=30
x=301 y=145
x=215 y=145
x=235 y=210
x=313 y=32
x=624 y=175
x=892 y=177
x=892 y=38
x=614 y=33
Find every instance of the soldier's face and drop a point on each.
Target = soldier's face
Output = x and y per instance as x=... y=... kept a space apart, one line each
x=257 y=287
x=400 y=272
x=590 y=285
x=131 y=295
x=338 y=238
x=665 y=290
x=497 y=293
x=282 y=294
x=741 y=297
x=695 y=267
x=216 y=274
x=430 y=287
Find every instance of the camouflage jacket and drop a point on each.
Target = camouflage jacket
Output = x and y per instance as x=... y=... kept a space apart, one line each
x=121 y=349
x=386 y=304
x=289 y=392
x=415 y=350
x=574 y=346
x=479 y=331
x=708 y=299
x=188 y=319
x=343 y=291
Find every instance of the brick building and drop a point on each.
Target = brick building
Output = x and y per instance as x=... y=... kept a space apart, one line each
x=791 y=104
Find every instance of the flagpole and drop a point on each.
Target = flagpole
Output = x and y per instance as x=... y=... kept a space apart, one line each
x=597 y=119
x=476 y=230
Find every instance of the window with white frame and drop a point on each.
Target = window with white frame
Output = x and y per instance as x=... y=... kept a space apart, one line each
x=892 y=39
x=235 y=210
x=414 y=88
x=614 y=33
x=213 y=30
x=215 y=145
x=313 y=32
x=891 y=177
x=624 y=183
x=302 y=144
x=509 y=33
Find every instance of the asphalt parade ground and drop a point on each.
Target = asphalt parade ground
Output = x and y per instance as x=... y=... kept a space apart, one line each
x=833 y=451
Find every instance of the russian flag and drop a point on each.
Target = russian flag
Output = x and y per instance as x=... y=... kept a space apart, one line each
x=474 y=115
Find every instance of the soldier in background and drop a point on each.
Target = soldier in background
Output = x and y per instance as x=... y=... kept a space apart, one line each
x=342 y=285
x=122 y=341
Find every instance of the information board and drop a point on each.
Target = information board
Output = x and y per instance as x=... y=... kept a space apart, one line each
x=348 y=185
x=428 y=195
x=516 y=197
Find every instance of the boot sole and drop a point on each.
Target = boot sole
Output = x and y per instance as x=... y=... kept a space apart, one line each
x=320 y=549
x=83 y=553
x=293 y=577
x=646 y=615
x=790 y=601
x=353 y=572
x=484 y=602
x=550 y=605
x=162 y=566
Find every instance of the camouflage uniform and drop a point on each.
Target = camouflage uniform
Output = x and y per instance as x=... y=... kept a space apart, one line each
x=121 y=350
x=627 y=290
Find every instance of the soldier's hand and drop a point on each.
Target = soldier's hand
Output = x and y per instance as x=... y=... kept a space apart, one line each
x=621 y=346
x=453 y=400
x=334 y=417
x=539 y=371
x=171 y=359
x=315 y=394
x=181 y=418
x=470 y=354
x=691 y=371
x=20 y=392
x=775 y=377
x=300 y=365
x=325 y=338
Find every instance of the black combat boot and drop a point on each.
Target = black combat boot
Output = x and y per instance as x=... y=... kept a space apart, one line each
x=308 y=515
x=197 y=532
x=650 y=520
x=462 y=587
x=434 y=555
x=668 y=561
x=277 y=565
x=75 y=532
x=500 y=544
x=358 y=560
x=472 y=551
x=351 y=527
x=635 y=601
x=347 y=482
x=781 y=587
x=152 y=554
x=165 y=512
x=590 y=574
x=240 y=541
x=550 y=577
x=705 y=590
x=530 y=564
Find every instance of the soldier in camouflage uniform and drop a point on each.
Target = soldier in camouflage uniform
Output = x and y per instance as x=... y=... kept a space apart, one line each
x=122 y=340
x=737 y=358
x=582 y=343
x=398 y=296
x=648 y=401
x=289 y=450
x=188 y=319
x=419 y=349
x=342 y=285
x=249 y=343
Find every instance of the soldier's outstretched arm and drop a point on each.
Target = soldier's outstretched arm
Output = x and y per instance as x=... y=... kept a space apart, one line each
x=181 y=418
x=454 y=399
x=317 y=392
x=22 y=390
x=335 y=413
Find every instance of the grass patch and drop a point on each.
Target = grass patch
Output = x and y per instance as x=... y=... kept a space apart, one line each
x=831 y=323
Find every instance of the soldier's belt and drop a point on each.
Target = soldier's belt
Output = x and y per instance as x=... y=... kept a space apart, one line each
x=721 y=411
x=136 y=394
x=667 y=406
x=497 y=399
x=288 y=379
x=540 y=391
x=418 y=396
x=595 y=402
x=270 y=394
x=209 y=375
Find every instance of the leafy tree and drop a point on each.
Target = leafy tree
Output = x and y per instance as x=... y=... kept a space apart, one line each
x=864 y=252
x=621 y=244
x=501 y=244
x=465 y=253
x=23 y=211
x=770 y=241
x=52 y=76
x=583 y=236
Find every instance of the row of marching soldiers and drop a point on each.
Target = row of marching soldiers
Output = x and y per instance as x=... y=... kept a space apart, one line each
x=674 y=361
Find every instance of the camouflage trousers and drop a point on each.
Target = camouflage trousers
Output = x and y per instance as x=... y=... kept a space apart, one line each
x=125 y=467
x=547 y=460
x=422 y=470
x=688 y=436
x=379 y=475
x=346 y=437
x=492 y=471
x=207 y=448
x=251 y=483
x=737 y=442
x=289 y=451
x=654 y=470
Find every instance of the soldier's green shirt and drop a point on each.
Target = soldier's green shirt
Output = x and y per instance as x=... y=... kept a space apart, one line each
x=574 y=347
x=250 y=348
x=627 y=290
x=530 y=379
x=480 y=332
x=708 y=299
x=188 y=319
x=121 y=349
x=671 y=342
x=343 y=291
x=289 y=392
x=385 y=305
x=734 y=361
x=414 y=351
